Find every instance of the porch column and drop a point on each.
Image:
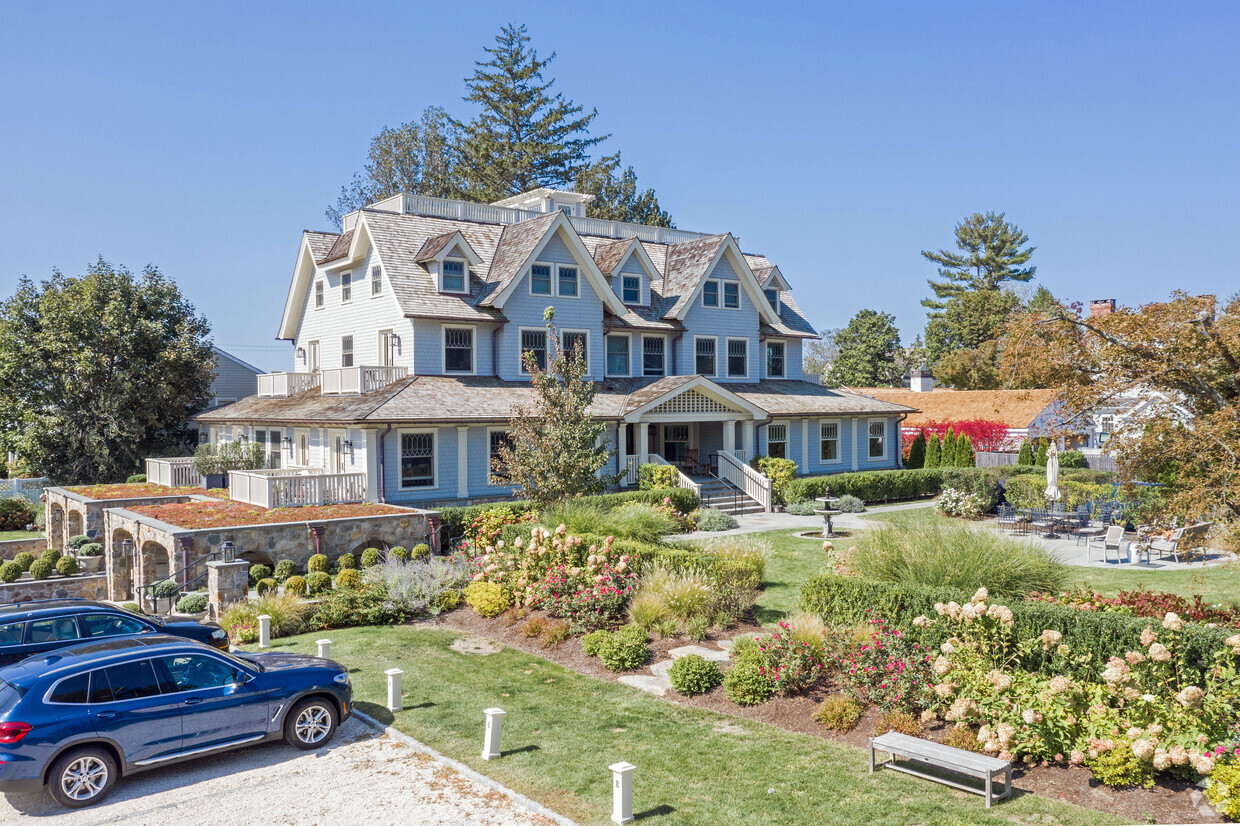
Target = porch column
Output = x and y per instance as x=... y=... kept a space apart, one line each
x=804 y=445
x=372 y=464
x=747 y=441
x=622 y=452
x=462 y=463
x=729 y=437
x=643 y=443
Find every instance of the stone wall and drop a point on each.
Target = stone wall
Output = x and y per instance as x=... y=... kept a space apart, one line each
x=12 y=547
x=86 y=586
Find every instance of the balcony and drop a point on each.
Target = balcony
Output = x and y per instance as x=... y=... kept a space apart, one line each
x=344 y=380
x=293 y=487
x=176 y=472
x=286 y=384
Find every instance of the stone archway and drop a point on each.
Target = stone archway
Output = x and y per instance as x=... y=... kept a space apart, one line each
x=371 y=543
x=155 y=563
x=120 y=565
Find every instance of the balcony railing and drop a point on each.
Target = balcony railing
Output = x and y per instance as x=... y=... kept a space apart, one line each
x=286 y=384
x=175 y=472
x=287 y=488
x=359 y=379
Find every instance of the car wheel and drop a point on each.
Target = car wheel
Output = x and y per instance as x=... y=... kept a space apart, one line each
x=82 y=777
x=310 y=724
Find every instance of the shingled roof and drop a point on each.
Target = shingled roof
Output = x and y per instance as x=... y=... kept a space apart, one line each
x=515 y=247
x=685 y=268
x=1017 y=409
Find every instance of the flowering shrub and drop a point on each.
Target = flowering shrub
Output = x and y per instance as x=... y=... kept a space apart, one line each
x=958 y=503
x=889 y=670
x=486 y=528
x=244 y=634
x=1152 y=604
x=791 y=665
x=590 y=598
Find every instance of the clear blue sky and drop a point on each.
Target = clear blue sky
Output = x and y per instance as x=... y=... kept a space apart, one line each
x=838 y=139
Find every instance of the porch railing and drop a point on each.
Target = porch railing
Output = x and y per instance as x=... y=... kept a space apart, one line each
x=28 y=489
x=682 y=481
x=754 y=485
x=295 y=487
x=286 y=384
x=174 y=472
x=360 y=379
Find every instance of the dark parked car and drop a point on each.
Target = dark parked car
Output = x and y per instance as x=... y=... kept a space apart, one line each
x=80 y=717
x=30 y=628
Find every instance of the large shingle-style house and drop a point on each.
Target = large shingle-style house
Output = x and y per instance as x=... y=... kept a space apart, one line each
x=408 y=329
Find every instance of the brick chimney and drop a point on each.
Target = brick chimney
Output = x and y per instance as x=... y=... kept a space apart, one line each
x=1101 y=306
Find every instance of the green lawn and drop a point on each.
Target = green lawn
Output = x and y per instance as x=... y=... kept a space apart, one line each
x=4 y=535
x=693 y=766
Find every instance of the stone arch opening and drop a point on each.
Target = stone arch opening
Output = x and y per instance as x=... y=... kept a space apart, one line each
x=258 y=558
x=156 y=562
x=383 y=547
x=74 y=523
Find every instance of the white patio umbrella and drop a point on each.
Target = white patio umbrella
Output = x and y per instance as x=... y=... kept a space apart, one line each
x=1052 y=474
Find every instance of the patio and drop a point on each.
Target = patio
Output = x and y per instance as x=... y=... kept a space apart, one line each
x=1076 y=551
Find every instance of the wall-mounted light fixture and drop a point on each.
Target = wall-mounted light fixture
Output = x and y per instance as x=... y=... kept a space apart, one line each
x=245 y=437
x=301 y=354
x=396 y=341
x=347 y=444
x=288 y=443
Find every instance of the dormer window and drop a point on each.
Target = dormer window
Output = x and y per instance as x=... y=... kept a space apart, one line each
x=540 y=279
x=567 y=209
x=772 y=298
x=453 y=276
x=568 y=281
x=631 y=289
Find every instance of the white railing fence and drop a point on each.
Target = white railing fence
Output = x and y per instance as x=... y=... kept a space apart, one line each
x=632 y=463
x=359 y=379
x=175 y=472
x=753 y=484
x=28 y=489
x=682 y=481
x=276 y=489
x=286 y=384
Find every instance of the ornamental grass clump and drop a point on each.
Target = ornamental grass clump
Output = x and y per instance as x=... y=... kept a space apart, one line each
x=957 y=556
x=647 y=609
x=712 y=519
x=684 y=594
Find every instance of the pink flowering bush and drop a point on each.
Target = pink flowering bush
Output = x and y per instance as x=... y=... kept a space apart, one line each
x=791 y=665
x=589 y=598
x=888 y=670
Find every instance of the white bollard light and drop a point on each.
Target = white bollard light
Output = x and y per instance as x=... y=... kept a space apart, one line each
x=495 y=728
x=325 y=649
x=622 y=792
x=264 y=631
x=394 y=700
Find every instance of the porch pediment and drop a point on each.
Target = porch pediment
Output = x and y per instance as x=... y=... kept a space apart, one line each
x=698 y=399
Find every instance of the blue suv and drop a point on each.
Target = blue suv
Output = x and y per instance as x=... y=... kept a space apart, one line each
x=77 y=719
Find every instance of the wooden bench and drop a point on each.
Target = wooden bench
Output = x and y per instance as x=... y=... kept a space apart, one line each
x=959 y=761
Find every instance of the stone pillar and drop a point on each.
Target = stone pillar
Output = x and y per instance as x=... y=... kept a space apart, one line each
x=56 y=527
x=227 y=582
x=185 y=544
x=118 y=563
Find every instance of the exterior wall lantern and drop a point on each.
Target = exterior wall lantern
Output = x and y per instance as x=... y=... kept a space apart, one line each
x=227 y=548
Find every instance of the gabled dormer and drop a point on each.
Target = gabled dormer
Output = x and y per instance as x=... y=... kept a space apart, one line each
x=629 y=270
x=773 y=285
x=448 y=258
x=546 y=200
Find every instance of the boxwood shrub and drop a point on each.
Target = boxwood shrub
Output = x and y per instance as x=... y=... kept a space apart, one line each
x=845 y=600
x=10 y=572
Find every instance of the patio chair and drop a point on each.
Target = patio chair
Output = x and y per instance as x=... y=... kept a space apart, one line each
x=1111 y=541
x=1184 y=541
x=1008 y=518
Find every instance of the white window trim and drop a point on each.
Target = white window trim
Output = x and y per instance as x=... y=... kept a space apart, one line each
x=319 y=284
x=765 y=360
x=464 y=282
x=643 y=357
x=400 y=477
x=767 y=298
x=723 y=302
x=491 y=484
x=343 y=276
x=521 y=331
x=443 y=349
x=583 y=332
x=352 y=351
x=886 y=440
x=628 y=372
x=641 y=288
x=556 y=280
x=839 y=442
x=718 y=294
x=714 y=339
x=311 y=346
x=376 y=281
x=727 y=373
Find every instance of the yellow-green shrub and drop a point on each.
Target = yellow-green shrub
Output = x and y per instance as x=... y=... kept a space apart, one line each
x=488 y=599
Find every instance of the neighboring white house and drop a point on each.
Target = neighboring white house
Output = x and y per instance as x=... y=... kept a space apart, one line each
x=234 y=379
x=1131 y=407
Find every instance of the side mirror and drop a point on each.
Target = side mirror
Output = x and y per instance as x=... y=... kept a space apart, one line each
x=241 y=679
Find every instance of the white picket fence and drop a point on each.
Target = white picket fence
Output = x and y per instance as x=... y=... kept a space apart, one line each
x=288 y=488
x=174 y=472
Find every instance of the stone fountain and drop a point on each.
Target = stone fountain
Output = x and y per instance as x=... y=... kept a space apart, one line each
x=827 y=511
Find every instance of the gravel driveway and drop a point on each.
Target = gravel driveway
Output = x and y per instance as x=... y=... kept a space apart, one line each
x=362 y=777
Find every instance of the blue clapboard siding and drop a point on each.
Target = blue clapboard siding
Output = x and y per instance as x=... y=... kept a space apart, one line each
x=723 y=323
x=428 y=347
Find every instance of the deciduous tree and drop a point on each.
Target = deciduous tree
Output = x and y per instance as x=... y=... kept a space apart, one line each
x=100 y=371
x=869 y=350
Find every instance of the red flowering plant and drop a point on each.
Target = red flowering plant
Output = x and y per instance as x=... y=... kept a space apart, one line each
x=888 y=670
x=792 y=665
x=590 y=597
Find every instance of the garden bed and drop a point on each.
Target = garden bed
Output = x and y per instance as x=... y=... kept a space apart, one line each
x=128 y=490
x=1170 y=801
x=226 y=513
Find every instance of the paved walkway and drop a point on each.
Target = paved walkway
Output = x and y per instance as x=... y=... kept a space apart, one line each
x=362 y=777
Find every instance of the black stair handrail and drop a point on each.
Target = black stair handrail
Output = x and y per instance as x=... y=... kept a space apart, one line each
x=147 y=591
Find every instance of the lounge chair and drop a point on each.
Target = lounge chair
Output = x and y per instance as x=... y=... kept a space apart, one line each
x=1111 y=541
x=1184 y=541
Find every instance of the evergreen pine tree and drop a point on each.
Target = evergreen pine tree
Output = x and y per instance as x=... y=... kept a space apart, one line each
x=947 y=456
x=1041 y=453
x=932 y=451
x=917 y=451
x=964 y=452
x=1025 y=457
x=991 y=253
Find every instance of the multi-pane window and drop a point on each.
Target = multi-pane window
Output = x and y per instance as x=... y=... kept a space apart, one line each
x=878 y=440
x=775 y=359
x=318 y=294
x=497 y=474
x=731 y=294
x=417 y=460
x=572 y=342
x=540 y=279
x=534 y=342
x=346 y=288
x=631 y=289
x=346 y=351
x=568 y=280
x=829 y=441
x=652 y=356
x=710 y=294
x=376 y=280
x=453 y=278
x=772 y=298
x=738 y=358
x=777 y=441
x=617 y=355
x=704 y=356
x=458 y=350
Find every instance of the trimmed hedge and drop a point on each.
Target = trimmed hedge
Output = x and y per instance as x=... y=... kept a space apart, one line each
x=894 y=485
x=844 y=600
x=456 y=521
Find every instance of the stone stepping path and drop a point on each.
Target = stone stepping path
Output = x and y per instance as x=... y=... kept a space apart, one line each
x=657 y=682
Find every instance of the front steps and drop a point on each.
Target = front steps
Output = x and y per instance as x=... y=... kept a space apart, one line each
x=721 y=496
